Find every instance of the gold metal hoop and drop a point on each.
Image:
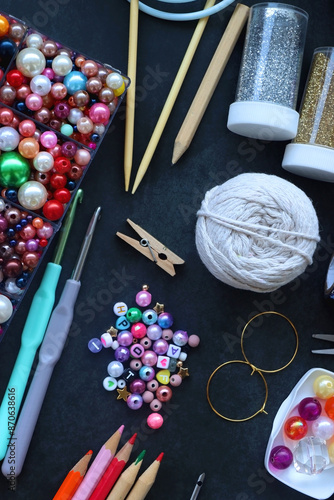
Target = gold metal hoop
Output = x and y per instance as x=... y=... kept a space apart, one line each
x=242 y=341
x=254 y=369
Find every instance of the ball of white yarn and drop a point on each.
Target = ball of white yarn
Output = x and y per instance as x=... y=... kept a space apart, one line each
x=256 y=232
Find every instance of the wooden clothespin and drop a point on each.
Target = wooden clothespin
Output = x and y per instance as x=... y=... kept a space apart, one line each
x=152 y=249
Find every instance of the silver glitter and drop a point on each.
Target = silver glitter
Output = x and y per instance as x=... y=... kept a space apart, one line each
x=272 y=55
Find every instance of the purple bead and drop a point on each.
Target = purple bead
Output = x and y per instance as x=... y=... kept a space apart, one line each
x=122 y=354
x=31 y=245
x=143 y=298
x=309 y=408
x=62 y=110
x=134 y=401
x=95 y=345
x=149 y=358
x=154 y=332
x=3 y=223
x=180 y=338
x=69 y=149
x=147 y=373
x=137 y=386
x=125 y=338
x=165 y=320
x=160 y=346
x=281 y=457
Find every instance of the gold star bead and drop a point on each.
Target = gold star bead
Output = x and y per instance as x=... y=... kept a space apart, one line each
x=123 y=393
x=159 y=308
x=113 y=331
x=183 y=372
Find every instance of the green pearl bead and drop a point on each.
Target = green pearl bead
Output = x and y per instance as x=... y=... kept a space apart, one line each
x=134 y=315
x=66 y=129
x=14 y=169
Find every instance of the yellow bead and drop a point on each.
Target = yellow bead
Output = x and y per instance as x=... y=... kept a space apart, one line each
x=163 y=376
x=120 y=90
x=323 y=386
x=4 y=26
x=331 y=452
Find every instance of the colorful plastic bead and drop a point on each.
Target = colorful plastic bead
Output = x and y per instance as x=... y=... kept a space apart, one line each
x=295 y=428
x=137 y=386
x=165 y=320
x=143 y=298
x=149 y=358
x=309 y=408
x=122 y=354
x=175 y=380
x=164 y=393
x=110 y=383
x=329 y=407
x=160 y=346
x=146 y=342
x=134 y=315
x=163 y=362
x=122 y=323
x=152 y=385
x=147 y=373
x=148 y=397
x=323 y=428
x=173 y=351
x=138 y=330
x=134 y=401
x=95 y=345
x=106 y=340
x=183 y=356
x=125 y=338
x=281 y=457
x=149 y=317
x=115 y=369
x=128 y=375
x=137 y=350
x=193 y=340
x=154 y=332
x=155 y=420
x=167 y=334
x=135 y=364
x=120 y=309
x=155 y=405
x=163 y=376
x=180 y=338
x=323 y=387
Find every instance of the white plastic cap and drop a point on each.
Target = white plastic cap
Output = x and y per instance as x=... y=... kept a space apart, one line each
x=308 y=160
x=263 y=120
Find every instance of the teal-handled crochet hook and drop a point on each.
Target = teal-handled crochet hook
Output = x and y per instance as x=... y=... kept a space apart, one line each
x=32 y=334
x=49 y=353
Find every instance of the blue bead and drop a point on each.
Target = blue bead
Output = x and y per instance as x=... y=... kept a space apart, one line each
x=23 y=222
x=21 y=282
x=18 y=227
x=75 y=81
x=92 y=101
x=12 y=243
x=147 y=373
x=20 y=106
x=75 y=128
x=11 y=232
x=11 y=194
x=26 y=275
x=70 y=185
x=95 y=137
x=7 y=50
x=165 y=320
x=149 y=317
x=122 y=323
x=48 y=63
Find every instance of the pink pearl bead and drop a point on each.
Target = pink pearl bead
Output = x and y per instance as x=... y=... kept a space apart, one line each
x=143 y=298
x=175 y=380
x=27 y=128
x=48 y=139
x=138 y=330
x=155 y=405
x=146 y=342
x=167 y=334
x=147 y=397
x=85 y=125
x=155 y=421
x=49 y=73
x=149 y=358
x=28 y=232
x=193 y=340
x=164 y=393
x=56 y=151
x=82 y=157
x=89 y=68
x=6 y=116
x=152 y=385
x=136 y=364
x=58 y=91
x=34 y=102
x=22 y=92
x=99 y=113
x=46 y=231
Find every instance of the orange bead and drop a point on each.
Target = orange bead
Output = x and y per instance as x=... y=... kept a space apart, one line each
x=4 y=26
x=29 y=147
x=37 y=222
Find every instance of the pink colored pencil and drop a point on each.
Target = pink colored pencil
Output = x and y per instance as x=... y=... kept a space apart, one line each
x=99 y=466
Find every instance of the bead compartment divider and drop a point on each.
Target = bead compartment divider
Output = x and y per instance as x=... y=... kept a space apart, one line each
x=61 y=138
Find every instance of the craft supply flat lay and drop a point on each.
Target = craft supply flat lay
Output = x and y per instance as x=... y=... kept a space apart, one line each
x=166 y=250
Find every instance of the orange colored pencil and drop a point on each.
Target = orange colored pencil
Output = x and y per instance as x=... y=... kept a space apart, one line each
x=99 y=466
x=73 y=479
x=145 y=481
x=114 y=470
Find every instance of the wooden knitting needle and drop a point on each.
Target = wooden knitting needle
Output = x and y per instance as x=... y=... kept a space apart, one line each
x=131 y=93
x=210 y=81
x=172 y=96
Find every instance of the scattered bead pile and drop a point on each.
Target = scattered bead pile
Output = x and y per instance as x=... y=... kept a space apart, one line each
x=154 y=353
x=312 y=425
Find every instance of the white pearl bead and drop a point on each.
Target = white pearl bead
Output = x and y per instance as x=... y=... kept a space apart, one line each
x=2 y=205
x=30 y=62
x=34 y=40
x=6 y=308
x=43 y=161
x=323 y=428
x=40 y=85
x=114 y=81
x=62 y=65
x=115 y=369
x=32 y=195
x=9 y=138
x=11 y=287
x=75 y=115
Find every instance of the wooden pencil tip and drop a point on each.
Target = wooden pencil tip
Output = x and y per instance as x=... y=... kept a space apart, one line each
x=160 y=457
x=133 y=438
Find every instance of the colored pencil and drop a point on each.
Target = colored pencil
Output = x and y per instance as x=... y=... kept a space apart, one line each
x=114 y=470
x=172 y=96
x=145 y=481
x=73 y=479
x=126 y=480
x=210 y=81
x=131 y=93
x=99 y=466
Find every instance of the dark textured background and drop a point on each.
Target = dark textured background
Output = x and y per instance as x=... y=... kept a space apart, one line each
x=78 y=414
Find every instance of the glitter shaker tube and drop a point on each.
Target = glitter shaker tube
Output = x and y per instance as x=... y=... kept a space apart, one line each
x=311 y=154
x=269 y=75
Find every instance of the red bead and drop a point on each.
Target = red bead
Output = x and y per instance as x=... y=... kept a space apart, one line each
x=43 y=242
x=58 y=181
x=62 y=165
x=53 y=210
x=15 y=78
x=63 y=195
x=295 y=428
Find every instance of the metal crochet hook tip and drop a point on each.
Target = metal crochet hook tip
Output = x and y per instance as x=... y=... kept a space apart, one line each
x=198 y=486
x=86 y=244
x=66 y=227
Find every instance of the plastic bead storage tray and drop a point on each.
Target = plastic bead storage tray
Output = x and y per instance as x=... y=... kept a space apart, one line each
x=56 y=105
